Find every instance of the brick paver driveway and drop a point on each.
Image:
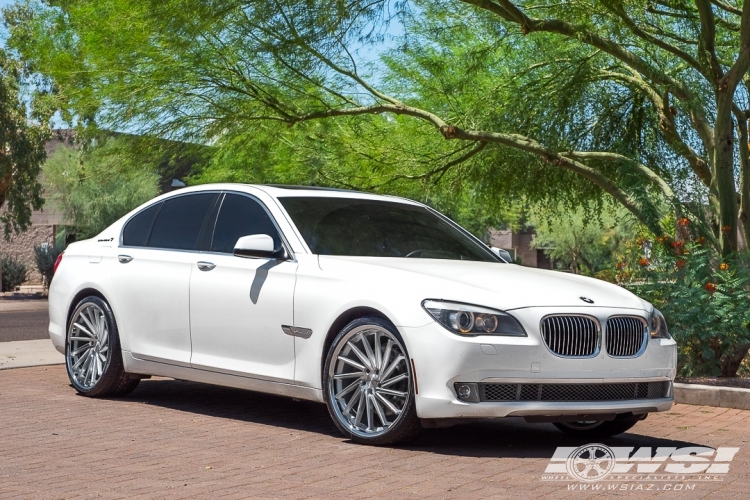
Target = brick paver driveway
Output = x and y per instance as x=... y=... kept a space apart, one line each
x=173 y=439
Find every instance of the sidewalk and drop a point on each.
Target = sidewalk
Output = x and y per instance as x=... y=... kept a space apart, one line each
x=25 y=353
x=14 y=305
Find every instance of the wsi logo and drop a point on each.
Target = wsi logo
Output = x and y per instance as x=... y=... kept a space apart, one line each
x=597 y=462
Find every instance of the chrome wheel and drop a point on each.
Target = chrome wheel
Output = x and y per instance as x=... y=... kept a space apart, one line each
x=369 y=381
x=88 y=345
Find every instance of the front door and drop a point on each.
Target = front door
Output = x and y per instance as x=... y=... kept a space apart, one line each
x=238 y=305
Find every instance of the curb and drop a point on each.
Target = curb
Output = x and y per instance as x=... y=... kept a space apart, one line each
x=711 y=395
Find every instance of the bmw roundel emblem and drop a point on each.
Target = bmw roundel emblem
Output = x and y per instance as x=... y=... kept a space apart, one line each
x=587 y=300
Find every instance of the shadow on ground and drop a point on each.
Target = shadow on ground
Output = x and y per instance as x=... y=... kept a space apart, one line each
x=509 y=437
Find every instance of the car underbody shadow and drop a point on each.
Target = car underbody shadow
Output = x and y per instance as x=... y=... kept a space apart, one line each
x=505 y=437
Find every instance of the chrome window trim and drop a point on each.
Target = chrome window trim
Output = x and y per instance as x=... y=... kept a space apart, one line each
x=645 y=336
x=598 y=335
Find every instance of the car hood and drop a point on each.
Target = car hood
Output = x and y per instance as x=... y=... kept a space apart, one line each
x=503 y=286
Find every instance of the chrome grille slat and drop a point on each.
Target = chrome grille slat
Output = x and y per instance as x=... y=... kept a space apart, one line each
x=573 y=336
x=625 y=336
x=575 y=392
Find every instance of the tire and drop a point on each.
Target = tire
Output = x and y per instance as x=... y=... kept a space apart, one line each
x=390 y=418
x=598 y=429
x=93 y=357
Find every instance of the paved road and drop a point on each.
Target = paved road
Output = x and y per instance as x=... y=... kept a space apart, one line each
x=173 y=439
x=23 y=320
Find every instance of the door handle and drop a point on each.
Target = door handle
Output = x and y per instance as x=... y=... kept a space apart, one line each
x=124 y=259
x=205 y=266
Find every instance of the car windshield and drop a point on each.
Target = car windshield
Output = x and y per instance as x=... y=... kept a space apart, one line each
x=374 y=228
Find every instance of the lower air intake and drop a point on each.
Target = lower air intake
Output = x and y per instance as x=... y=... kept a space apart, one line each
x=574 y=392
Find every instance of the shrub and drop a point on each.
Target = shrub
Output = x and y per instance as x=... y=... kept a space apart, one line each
x=705 y=300
x=14 y=273
x=45 y=257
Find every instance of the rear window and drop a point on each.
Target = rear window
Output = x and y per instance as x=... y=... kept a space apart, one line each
x=138 y=228
x=374 y=228
x=180 y=220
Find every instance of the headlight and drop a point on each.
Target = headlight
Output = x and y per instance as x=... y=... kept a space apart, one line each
x=465 y=319
x=658 y=325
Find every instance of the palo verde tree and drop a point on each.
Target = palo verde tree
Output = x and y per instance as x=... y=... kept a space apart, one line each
x=644 y=101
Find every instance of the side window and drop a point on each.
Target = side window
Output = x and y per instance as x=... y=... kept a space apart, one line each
x=180 y=221
x=138 y=228
x=240 y=216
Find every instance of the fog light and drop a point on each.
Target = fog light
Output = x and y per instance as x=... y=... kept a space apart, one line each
x=467 y=392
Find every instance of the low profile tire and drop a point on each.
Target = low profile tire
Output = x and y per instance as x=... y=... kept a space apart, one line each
x=368 y=384
x=92 y=352
x=598 y=429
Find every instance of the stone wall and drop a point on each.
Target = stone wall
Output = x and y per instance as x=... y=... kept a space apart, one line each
x=21 y=246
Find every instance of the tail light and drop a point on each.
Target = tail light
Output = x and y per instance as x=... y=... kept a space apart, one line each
x=57 y=263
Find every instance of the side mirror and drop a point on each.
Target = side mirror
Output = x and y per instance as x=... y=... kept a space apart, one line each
x=503 y=254
x=258 y=245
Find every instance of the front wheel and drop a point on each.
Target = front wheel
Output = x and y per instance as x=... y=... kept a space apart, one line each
x=92 y=352
x=368 y=384
x=598 y=429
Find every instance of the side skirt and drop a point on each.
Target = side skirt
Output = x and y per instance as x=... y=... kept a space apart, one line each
x=144 y=367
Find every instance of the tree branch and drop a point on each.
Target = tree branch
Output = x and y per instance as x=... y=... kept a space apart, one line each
x=707 y=39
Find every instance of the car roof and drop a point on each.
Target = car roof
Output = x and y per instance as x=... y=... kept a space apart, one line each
x=283 y=191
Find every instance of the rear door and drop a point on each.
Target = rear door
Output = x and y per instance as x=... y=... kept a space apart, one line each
x=238 y=305
x=152 y=276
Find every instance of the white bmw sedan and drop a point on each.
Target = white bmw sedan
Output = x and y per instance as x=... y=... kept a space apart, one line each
x=384 y=309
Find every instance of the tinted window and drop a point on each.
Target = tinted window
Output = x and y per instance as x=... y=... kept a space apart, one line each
x=240 y=216
x=350 y=226
x=138 y=228
x=180 y=220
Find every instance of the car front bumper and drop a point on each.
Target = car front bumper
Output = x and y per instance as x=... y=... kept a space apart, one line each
x=441 y=359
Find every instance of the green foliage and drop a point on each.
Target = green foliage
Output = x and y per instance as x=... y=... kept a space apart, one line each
x=705 y=301
x=13 y=272
x=44 y=258
x=21 y=149
x=96 y=187
x=583 y=242
x=369 y=154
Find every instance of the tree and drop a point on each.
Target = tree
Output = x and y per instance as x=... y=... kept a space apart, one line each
x=639 y=100
x=95 y=187
x=580 y=244
x=21 y=150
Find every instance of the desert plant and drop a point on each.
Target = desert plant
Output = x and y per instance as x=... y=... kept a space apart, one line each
x=704 y=298
x=45 y=257
x=13 y=272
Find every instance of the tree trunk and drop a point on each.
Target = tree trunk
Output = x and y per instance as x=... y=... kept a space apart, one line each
x=730 y=362
x=724 y=173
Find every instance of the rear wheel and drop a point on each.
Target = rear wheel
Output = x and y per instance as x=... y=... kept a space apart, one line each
x=598 y=429
x=92 y=352
x=368 y=384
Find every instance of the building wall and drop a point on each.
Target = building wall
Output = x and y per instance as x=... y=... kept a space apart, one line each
x=21 y=246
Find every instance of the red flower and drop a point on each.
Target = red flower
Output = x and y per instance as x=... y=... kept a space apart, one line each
x=644 y=262
x=726 y=229
x=711 y=287
x=621 y=265
x=677 y=244
x=680 y=263
x=683 y=222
